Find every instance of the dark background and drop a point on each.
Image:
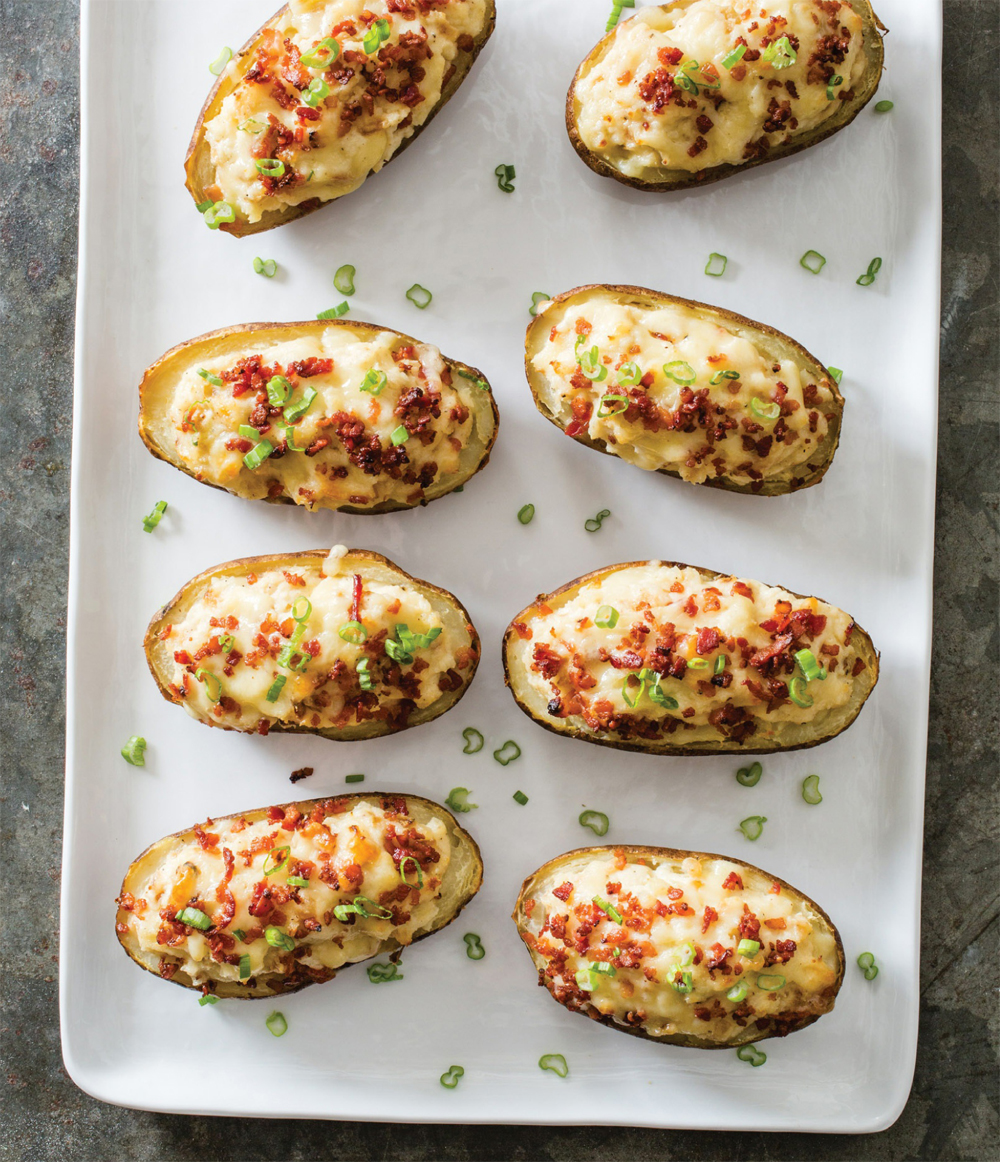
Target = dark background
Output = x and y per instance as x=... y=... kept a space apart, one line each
x=953 y=1109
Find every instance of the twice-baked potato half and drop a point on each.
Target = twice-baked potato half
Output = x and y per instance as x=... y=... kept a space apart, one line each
x=664 y=658
x=268 y=901
x=326 y=93
x=680 y=947
x=692 y=91
x=682 y=388
x=341 y=415
x=343 y=644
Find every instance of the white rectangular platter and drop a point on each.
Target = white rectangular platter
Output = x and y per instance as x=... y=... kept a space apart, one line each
x=151 y=276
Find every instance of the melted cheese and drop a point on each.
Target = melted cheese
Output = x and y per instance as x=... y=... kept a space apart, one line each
x=654 y=597
x=761 y=105
x=258 y=616
x=652 y=938
x=188 y=874
x=358 y=129
x=725 y=433
x=206 y=418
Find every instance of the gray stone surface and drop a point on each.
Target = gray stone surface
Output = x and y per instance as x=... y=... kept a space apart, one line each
x=952 y=1112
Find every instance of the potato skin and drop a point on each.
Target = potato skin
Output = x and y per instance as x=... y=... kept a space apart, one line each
x=724 y=746
x=174 y=361
x=636 y=852
x=311 y=558
x=814 y=470
x=197 y=162
x=274 y=984
x=873 y=28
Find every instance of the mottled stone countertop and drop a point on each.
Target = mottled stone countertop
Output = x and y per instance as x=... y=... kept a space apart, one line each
x=953 y=1109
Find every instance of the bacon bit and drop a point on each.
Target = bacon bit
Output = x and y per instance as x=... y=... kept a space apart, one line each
x=563 y=892
x=300 y=774
x=522 y=631
x=208 y=841
x=165 y=633
x=776 y=925
x=775 y=889
x=675 y=893
x=733 y=883
x=621 y=860
x=251 y=578
x=356 y=600
x=858 y=666
x=529 y=907
x=709 y=917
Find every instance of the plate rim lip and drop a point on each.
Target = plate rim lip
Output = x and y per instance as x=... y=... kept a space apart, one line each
x=83 y=1074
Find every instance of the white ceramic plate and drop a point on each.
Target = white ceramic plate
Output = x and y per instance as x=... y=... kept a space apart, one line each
x=151 y=275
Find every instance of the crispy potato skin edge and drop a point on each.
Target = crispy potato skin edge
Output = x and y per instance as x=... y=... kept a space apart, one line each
x=273 y=218
x=291 y=560
x=278 y=329
x=671 y=853
x=621 y=292
x=306 y=805
x=723 y=747
x=870 y=82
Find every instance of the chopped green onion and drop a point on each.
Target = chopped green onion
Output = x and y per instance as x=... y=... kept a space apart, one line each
x=719 y=376
x=474 y=949
x=698 y=664
x=751 y=1054
x=420 y=296
x=268 y=268
x=809 y=665
x=258 y=454
x=764 y=411
x=554 y=1063
x=591 y=365
x=375 y=36
x=134 y=751
x=603 y=969
x=201 y=207
x=220 y=62
x=526 y=514
x=274 y=861
x=239 y=934
x=353 y=632
x=520 y=797
x=883 y=106
x=278 y=390
x=810 y=790
x=536 y=298
x=749 y=776
x=398 y=652
x=734 y=56
x=866 y=962
x=474 y=741
x=400 y=435
x=507 y=753
x=687 y=948
x=208 y=999
x=316 y=91
x=770 y=982
x=294 y=411
x=217 y=213
x=717 y=263
x=738 y=992
x=585 y=979
x=505 y=178
x=343 y=279
x=753 y=827
x=629 y=375
x=813 y=261
x=869 y=277
x=213 y=687
x=458 y=800
x=831 y=86
x=251 y=126
x=657 y=695
x=365 y=679
x=214 y=380
x=597 y=821
x=720 y=664
x=275 y=688
x=354 y=779
x=322 y=55
x=374 y=381
x=194 y=918
x=276 y=1024
x=271 y=167
x=306 y=612
x=594 y=523
x=609 y=910
x=450 y=1079
x=383 y=973
x=606 y=617
x=680 y=371
x=748 y=948
x=153 y=519
x=685 y=984
x=334 y=312
x=836 y=374
x=780 y=53
x=798 y=694
x=419 y=881
x=245 y=966
x=363 y=907
x=247 y=433
x=612 y=405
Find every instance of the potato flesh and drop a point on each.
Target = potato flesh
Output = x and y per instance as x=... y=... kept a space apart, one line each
x=637 y=126
x=728 y=439
x=675 y=911
x=336 y=154
x=348 y=848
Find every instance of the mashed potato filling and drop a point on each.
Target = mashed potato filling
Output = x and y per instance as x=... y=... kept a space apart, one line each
x=672 y=92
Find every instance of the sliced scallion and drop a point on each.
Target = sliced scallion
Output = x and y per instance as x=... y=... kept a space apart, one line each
x=474 y=949
x=450 y=1079
x=780 y=54
x=276 y=1024
x=258 y=454
x=748 y=948
x=680 y=371
x=400 y=435
x=629 y=375
x=353 y=632
x=753 y=827
x=764 y=411
x=770 y=982
x=474 y=741
x=749 y=776
x=134 y=751
x=594 y=523
x=213 y=687
x=321 y=55
x=334 y=312
x=505 y=178
x=810 y=790
x=214 y=380
x=507 y=753
x=798 y=693
x=194 y=918
x=265 y=266
x=275 y=688
x=612 y=405
x=383 y=973
x=316 y=91
x=365 y=680
x=836 y=374
x=869 y=276
x=606 y=617
x=866 y=962
x=738 y=992
x=537 y=297
x=719 y=376
x=526 y=514
x=734 y=56
x=717 y=263
x=374 y=381
x=520 y=797
x=208 y=999
x=751 y=1054
x=276 y=859
x=813 y=261
x=354 y=778
x=554 y=1063
x=278 y=390
x=420 y=296
x=458 y=800
x=883 y=106
x=271 y=167
x=217 y=213
x=597 y=821
x=831 y=87
x=220 y=62
x=245 y=966
x=153 y=519
x=294 y=411
x=343 y=279
x=609 y=910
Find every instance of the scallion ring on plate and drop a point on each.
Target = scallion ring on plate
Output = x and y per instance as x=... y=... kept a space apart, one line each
x=150 y=521
x=751 y=1054
x=265 y=266
x=717 y=263
x=505 y=178
x=474 y=949
x=869 y=276
x=276 y=1024
x=810 y=790
x=207 y=999
x=474 y=741
x=458 y=800
x=336 y=312
x=836 y=374
x=536 y=298
x=597 y=821
x=354 y=778
x=594 y=523
x=753 y=827
x=883 y=106
x=526 y=514
x=749 y=776
x=520 y=797
x=813 y=261
x=383 y=973
x=866 y=962
x=450 y=1079
x=220 y=62
x=217 y=213
x=554 y=1063
x=134 y=751
x=507 y=753
x=420 y=296
x=343 y=279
